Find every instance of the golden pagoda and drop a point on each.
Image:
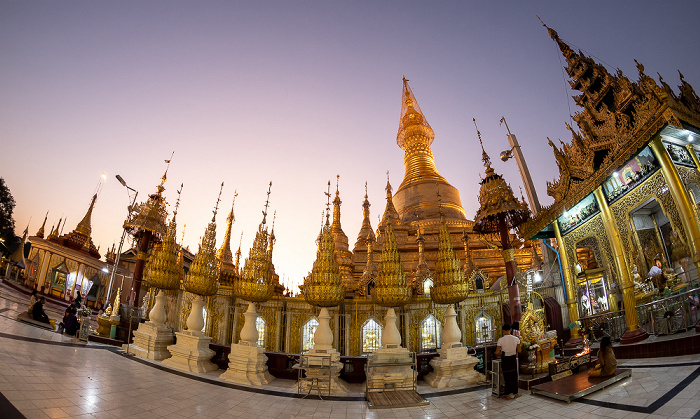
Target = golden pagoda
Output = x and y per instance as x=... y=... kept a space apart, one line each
x=421 y=177
x=228 y=271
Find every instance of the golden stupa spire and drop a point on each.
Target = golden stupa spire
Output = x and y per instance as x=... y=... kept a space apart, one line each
x=324 y=286
x=151 y=214
x=272 y=240
x=370 y=271
x=224 y=254
x=366 y=228
x=391 y=288
x=181 y=257
x=40 y=233
x=390 y=216
x=162 y=270
x=204 y=271
x=422 y=269
x=237 y=266
x=54 y=231
x=255 y=284
x=415 y=137
x=449 y=286
x=84 y=227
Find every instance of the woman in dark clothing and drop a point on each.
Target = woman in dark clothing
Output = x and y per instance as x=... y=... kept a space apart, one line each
x=38 y=311
x=70 y=322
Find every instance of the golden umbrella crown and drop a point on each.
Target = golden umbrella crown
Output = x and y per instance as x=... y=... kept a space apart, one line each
x=390 y=287
x=496 y=201
x=162 y=270
x=255 y=284
x=324 y=287
x=449 y=286
x=203 y=277
x=150 y=215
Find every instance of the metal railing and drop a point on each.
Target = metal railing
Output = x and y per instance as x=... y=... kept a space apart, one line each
x=676 y=312
x=610 y=324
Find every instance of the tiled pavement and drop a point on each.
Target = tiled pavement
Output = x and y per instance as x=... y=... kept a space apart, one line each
x=45 y=374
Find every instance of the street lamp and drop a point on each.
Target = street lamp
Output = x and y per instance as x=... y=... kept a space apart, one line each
x=121 y=242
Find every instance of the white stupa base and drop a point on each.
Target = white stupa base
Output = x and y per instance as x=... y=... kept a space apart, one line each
x=151 y=341
x=191 y=353
x=320 y=374
x=454 y=367
x=247 y=365
x=391 y=377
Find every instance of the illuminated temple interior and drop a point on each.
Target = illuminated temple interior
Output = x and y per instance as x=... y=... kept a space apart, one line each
x=417 y=301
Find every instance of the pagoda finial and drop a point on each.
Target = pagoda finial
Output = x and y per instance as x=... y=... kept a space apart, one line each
x=177 y=203
x=224 y=252
x=218 y=199
x=484 y=157
x=388 y=185
x=84 y=228
x=328 y=203
x=267 y=203
x=40 y=233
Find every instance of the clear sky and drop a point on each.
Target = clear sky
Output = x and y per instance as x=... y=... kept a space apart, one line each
x=293 y=92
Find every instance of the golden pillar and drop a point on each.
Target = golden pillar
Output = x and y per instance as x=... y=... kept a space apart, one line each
x=621 y=266
x=681 y=197
x=569 y=279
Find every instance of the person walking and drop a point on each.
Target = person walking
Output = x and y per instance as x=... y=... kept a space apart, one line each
x=508 y=348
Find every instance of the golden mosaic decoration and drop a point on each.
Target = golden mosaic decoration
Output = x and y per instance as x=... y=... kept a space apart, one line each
x=203 y=277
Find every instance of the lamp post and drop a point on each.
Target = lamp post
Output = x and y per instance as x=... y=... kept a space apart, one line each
x=121 y=242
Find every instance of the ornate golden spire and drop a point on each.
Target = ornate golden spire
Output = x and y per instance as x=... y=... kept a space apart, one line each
x=366 y=229
x=390 y=216
x=420 y=173
x=324 y=287
x=422 y=270
x=40 y=233
x=341 y=240
x=204 y=271
x=370 y=271
x=224 y=254
x=449 y=286
x=151 y=214
x=391 y=289
x=54 y=231
x=162 y=270
x=84 y=227
x=496 y=199
x=469 y=265
x=255 y=283
x=237 y=266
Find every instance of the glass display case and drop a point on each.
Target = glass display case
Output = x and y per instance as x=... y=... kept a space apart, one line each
x=630 y=175
x=592 y=292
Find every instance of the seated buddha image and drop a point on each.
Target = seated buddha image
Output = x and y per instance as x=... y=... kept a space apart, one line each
x=427 y=339
x=531 y=325
x=370 y=341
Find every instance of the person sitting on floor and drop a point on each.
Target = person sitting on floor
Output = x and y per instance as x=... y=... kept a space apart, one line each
x=607 y=363
x=32 y=301
x=70 y=322
x=38 y=313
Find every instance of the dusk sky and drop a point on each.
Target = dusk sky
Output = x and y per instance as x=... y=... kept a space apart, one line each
x=294 y=93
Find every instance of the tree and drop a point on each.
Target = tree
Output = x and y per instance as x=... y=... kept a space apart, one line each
x=8 y=240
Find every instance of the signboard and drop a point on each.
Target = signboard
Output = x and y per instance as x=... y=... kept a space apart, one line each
x=84 y=332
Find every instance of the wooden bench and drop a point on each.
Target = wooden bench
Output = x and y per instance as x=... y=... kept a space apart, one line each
x=25 y=318
x=578 y=385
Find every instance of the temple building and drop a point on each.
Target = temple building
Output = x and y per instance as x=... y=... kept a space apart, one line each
x=63 y=265
x=625 y=212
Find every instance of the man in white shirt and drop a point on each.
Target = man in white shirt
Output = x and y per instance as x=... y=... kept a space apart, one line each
x=508 y=348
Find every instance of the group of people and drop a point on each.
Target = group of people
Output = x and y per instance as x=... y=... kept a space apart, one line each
x=508 y=347
x=70 y=323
